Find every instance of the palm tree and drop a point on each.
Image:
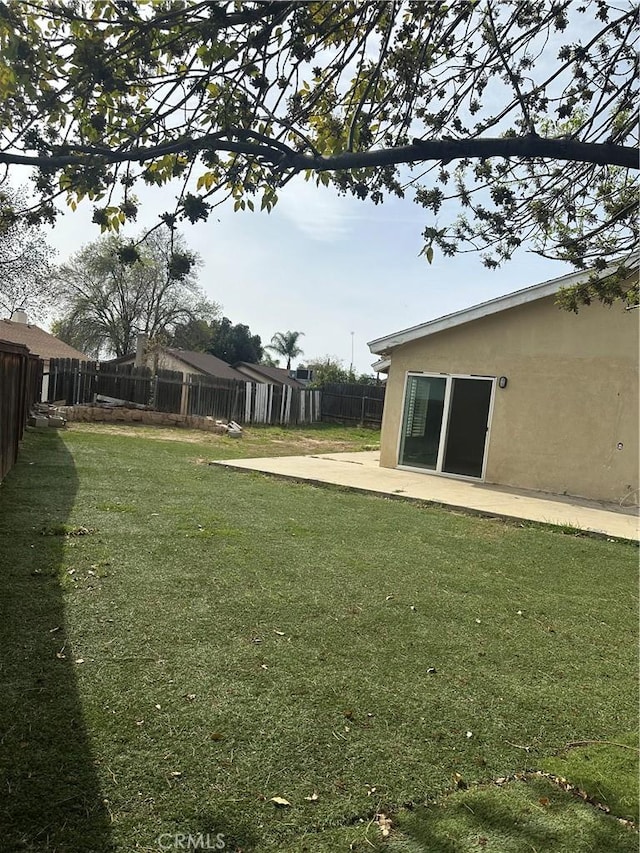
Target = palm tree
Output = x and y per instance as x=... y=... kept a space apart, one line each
x=286 y=345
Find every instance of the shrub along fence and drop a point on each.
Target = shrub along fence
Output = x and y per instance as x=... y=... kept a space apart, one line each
x=82 y=382
x=353 y=403
x=20 y=381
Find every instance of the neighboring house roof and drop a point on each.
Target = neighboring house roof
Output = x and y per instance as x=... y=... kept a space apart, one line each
x=38 y=341
x=278 y=375
x=121 y=359
x=381 y=346
x=203 y=362
x=207 y=363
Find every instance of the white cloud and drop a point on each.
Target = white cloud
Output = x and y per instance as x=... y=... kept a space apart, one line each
x=316 y=211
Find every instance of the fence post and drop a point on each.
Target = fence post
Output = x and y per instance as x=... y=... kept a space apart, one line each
x=184 y=397
x=364 y=400
x=247 y=402
x=75 y=395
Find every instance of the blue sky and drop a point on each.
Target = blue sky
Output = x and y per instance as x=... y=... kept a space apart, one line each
x=324 y=265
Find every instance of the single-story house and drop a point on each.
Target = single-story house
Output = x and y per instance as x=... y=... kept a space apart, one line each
x=18 y=330
x=270 y=375
x=518 y=392
x=187 y=362
x=197 y=363
x=193 y=364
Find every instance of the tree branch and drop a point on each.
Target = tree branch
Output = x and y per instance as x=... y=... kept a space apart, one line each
x=422 y=150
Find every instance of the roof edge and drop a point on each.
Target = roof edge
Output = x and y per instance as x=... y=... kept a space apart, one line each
x=380 y=346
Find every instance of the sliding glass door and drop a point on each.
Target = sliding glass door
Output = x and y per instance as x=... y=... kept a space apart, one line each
x=422 y=425
x=468 y=425
x=445 y=423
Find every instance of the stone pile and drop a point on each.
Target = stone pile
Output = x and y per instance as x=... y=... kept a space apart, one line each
x=122 y=414
x=44 y=416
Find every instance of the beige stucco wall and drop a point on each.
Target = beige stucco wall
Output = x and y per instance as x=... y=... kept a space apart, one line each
x=167 y=362
x=572 y=395
x=252 y=375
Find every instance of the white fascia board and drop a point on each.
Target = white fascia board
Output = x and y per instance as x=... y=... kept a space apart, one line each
x=381 y=366
x=381 y=346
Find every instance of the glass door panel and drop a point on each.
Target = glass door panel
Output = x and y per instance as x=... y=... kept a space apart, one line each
x=422 y=421
x=467 y=428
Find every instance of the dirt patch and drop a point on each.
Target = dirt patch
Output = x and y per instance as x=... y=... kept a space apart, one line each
x=252 y=444
x=154 y=433
x=299 y=446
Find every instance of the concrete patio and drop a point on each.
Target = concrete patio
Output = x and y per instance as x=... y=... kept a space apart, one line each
x=361 y=472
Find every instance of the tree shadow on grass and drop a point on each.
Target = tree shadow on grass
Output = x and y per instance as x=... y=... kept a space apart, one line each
x=516 y=818
x=50 y=798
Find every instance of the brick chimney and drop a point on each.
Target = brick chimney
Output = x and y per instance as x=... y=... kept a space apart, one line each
x=141 y=350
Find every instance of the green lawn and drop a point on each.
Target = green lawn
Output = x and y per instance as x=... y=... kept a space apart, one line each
x=181 y=642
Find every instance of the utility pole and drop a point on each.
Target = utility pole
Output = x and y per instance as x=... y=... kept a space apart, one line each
x=351 y=365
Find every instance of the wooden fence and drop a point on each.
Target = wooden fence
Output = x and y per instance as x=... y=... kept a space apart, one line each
x=20 y=381
x=353 y=403
x=81 y=383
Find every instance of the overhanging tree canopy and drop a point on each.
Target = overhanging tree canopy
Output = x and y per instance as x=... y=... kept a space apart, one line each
x=25 y=261
x=522 y=112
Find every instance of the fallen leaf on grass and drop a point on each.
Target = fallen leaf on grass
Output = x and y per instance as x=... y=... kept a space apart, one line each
x=458 y=782
x=280 y=802
x=313 y=798
x=384 y=824
x=544 y=801
x=279 y=633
